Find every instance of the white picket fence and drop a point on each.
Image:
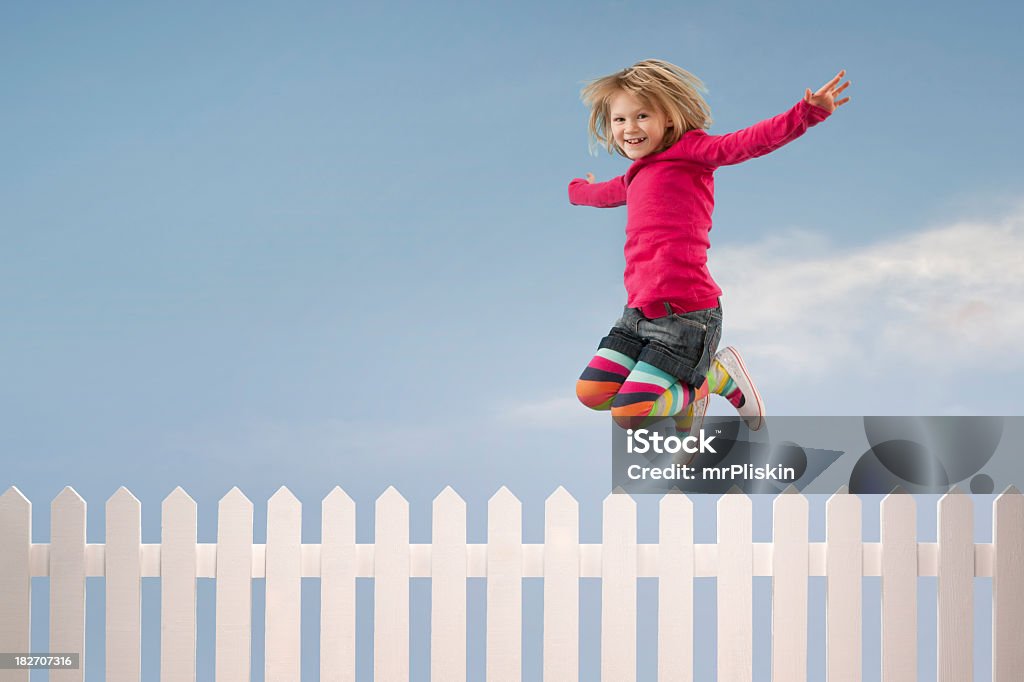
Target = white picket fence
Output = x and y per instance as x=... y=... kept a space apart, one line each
x=619 y=560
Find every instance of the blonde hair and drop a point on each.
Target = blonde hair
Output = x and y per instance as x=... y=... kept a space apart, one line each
x=672 y=90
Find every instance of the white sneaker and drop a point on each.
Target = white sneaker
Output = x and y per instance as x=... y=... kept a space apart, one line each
x=752 y=410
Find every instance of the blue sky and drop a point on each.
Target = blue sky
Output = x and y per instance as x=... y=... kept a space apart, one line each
x=261 y=244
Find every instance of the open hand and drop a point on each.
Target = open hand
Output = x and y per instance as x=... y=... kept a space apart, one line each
x=590 y=178
x=825 y=96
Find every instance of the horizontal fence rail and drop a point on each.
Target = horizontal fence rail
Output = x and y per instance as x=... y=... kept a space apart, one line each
x=234 y=561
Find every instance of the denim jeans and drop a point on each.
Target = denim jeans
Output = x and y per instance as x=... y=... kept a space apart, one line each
x=680 y=344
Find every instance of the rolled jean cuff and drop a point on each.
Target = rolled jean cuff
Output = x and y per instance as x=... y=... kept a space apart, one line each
x=680 y=369
x=623 y=343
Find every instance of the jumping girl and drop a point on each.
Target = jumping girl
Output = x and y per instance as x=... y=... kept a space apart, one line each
x=660 y=359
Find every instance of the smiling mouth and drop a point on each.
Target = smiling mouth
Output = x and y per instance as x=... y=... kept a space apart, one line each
x=635 y=140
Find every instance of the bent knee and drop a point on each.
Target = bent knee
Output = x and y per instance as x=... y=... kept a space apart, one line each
x=597 y=395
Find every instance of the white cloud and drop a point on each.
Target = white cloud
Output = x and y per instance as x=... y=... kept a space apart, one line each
x=947 y=298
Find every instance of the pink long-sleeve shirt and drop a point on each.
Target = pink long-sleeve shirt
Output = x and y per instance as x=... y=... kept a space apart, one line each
x=669 y=197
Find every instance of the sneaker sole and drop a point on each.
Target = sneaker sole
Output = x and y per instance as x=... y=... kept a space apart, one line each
x=734 y=365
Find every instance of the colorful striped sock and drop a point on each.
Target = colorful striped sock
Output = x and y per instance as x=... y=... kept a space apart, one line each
x=603 y=377
x=721 y=383
x=650 y=392
x=684 y=419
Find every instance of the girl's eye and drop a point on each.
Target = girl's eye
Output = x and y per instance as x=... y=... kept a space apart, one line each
x=618 y=119
x=642 y=116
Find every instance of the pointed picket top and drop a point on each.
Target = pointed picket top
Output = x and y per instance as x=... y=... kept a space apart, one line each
x=560 y=509
x=337 y=496
x=14 y=503
x=123 y=501
x=283 y=499
x=898 y=490
x=791 y=499
x=955 y=490
x=337 y=502
x=178 y=497
x=448 y=498
x=503 y=494
x=1009 y=499
x=123 y=496
x=68 y=496
x=675 y=500
x=842 y=490
x=561 y=496
x=235 y=497
x=13 y=496
x=618 y=490
x=391 y=518
x=734 y=490
x=391 y=496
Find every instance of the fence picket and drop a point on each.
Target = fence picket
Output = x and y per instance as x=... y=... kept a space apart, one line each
x=67 y=581
x=618 y=588
x=504 y=587
x=391 y=588
x=234 y=588
x=561 y=587
x=1008 y=586
x=448 y=568
x=844 y=569
x=123 y=575
x=735 y=588
x=15 y=577
x=284 y=587
x=956 y=587
x=338 y=588
x=178 y=588
x=790 y=562
x=675 y=589
x=899 y=587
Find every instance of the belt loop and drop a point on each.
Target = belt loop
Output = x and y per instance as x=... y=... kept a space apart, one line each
x=668 y=308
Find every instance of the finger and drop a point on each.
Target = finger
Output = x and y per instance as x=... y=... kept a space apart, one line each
x=842 y=101
x=832 y=82
x=841 y=88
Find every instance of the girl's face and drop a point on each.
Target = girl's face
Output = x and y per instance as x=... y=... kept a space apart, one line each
x=637 y=127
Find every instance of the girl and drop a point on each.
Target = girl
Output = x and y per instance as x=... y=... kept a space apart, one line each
x=660 y=358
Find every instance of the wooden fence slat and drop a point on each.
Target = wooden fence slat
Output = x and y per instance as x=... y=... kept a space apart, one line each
x=561 y=587
x=956 y=587
x=675 y=589
x=15 y=578
x=790 y=562
x=284 y=587
x=735 y=588
x=899 y=587
x=391 y=588
x=67 y=581
x=504 y=587
x=844 y=563
x=618 y=588
x=123 y=578
x=1008 y=586
x=338 y=588
x=448 y=568
x=178 y=588
x=234 y=588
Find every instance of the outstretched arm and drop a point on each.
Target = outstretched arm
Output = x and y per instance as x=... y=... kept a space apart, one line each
x=767 y=136
x=598 y=194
